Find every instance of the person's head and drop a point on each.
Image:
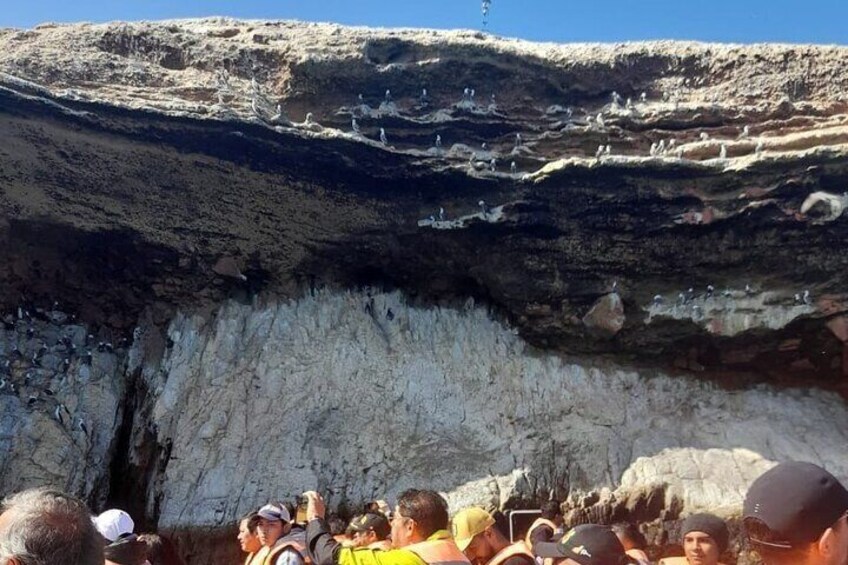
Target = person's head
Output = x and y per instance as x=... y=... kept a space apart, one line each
x=160 y=550
x=418 y=515
x=47 y=526
x=588 y=544
x=629 y=536
x=337 y=525
x=370 y=507
x=274 y=522
x=247 y=536
x=551 y=511
x=705 y=538
x=114 y=524
x=476 y=535
x=797 y=513
x=369 y=528
x=127 y=550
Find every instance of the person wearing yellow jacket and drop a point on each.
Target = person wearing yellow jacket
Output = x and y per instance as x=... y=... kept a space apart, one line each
x=371 y=530
x=419 y=535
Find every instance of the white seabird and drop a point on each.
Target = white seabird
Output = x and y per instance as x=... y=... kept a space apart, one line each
x=836 y=204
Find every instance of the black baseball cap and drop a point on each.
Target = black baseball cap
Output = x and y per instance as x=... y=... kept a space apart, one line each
x=588 y=544
x=796 y=501
x=371 y=521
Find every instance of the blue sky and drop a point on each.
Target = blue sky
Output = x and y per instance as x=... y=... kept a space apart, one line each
x=748 y=21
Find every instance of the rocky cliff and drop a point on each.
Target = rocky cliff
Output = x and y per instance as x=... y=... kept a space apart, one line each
x=256 y=257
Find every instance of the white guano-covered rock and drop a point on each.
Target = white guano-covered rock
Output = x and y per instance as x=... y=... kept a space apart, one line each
x=266 y=401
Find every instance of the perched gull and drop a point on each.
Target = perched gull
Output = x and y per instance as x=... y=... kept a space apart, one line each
x=616 y=98
x=835 y=204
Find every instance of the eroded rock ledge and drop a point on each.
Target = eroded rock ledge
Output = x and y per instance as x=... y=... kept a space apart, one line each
x=117 y=133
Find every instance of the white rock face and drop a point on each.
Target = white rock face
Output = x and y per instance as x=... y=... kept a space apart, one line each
x=710 y=480
x=266 y=401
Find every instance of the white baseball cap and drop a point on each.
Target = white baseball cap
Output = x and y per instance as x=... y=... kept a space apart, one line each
x=275 y=512
x=113 y=523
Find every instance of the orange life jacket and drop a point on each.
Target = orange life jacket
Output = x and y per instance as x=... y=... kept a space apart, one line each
x=257 y=558
x=518 y=548
x=536 y=524
x=277 y=550
x=439 y=552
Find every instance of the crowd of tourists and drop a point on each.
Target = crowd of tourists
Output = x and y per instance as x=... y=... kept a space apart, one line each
x=794 y=514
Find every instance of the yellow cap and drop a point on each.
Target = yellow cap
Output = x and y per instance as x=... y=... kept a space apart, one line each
x=468 y=523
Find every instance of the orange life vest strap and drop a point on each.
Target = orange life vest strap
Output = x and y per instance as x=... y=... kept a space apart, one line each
x=536 y=524
x=439 y=552
x=518 y=548
x=277 y=550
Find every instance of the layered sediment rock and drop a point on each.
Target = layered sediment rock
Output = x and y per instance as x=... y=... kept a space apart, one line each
x=660 y=305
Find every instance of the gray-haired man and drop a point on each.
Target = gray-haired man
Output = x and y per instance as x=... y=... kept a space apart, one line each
x=49 y=528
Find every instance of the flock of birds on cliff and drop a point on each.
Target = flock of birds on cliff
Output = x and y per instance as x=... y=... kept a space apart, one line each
x=696 y=302
x=486 y=158
x=41 y=345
